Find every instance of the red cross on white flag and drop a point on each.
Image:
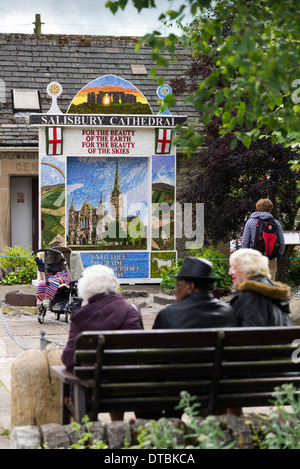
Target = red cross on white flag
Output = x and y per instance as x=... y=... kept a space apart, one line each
x=54 y=141
x=163 y=141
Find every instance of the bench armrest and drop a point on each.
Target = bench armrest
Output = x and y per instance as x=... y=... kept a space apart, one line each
x=68 y=377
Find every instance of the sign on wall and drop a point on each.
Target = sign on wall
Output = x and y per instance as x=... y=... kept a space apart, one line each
x=107 y=175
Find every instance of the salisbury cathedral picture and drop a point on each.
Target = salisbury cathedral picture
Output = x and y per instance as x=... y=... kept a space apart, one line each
x=116 y=220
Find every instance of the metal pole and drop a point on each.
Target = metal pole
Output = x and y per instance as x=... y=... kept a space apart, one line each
x=43 y=341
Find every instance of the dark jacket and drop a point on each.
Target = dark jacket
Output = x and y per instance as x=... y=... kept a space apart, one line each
x=103 y=312
x=197 y=310
x=260 y=302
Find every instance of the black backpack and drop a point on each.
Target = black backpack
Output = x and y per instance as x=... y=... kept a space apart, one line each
x=267 y=239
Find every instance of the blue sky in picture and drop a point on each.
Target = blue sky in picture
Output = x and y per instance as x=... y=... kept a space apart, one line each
x=87 y=178
x=110 y=80
x=163 y=169
x=52 y=171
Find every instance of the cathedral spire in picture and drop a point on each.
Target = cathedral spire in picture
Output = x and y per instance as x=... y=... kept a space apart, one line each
x=116 y=200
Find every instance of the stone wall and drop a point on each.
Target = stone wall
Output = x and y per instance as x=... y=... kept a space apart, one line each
x=115 y=434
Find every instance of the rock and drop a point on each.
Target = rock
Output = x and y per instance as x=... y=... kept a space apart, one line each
x=73 y=435
x=97 y=430
x=27 y=437
x=6 y=271
x=236 y=429
x=34 y=391
x=135 y=294
x=18 y=298
x=143 y=305
x=135 y=426
x=116 y=433
x=163 y=300
x=54 y=436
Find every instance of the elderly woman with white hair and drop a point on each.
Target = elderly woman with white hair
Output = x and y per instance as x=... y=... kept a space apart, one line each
x=258 y=300
x=103 y=308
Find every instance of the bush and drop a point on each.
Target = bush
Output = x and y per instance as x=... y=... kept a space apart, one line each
x=281 y=429
x=206 y=434
x=22 y=263
x=169 y=257
x=161 y=434
x=293 y=269
x=219 y=264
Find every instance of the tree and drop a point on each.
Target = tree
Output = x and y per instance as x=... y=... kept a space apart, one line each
x=249 y=93
x=230 y=181
x=254 y=84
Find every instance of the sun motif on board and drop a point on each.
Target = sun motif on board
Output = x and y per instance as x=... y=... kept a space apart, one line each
x=54 y=88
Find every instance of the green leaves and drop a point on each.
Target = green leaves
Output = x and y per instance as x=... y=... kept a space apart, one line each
x=139 y=4
x=254 y=67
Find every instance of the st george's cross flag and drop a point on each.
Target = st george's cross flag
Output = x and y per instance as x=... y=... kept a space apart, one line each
x=163 y=141
x=54 y=141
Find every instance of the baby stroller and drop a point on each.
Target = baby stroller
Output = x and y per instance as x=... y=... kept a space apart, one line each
x=60 y=270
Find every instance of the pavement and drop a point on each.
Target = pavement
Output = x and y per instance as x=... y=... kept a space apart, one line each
x=19 y=332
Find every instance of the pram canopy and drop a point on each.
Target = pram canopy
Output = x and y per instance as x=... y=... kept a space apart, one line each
x=61 y=269
x=60 y=259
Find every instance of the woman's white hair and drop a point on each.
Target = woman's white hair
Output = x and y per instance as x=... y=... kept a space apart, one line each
x=97 y=279
x=252 y=262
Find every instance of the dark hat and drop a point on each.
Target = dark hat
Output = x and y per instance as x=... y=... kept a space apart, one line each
x=194 y=267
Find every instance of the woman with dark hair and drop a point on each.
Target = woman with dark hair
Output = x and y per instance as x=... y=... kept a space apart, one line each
x=264 y=208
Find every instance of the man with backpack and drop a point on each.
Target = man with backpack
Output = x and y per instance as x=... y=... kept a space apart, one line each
x=264 y=233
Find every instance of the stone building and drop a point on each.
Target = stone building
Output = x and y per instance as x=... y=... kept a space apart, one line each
x=28 y=63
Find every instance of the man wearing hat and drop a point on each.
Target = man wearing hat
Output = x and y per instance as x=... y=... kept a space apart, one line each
x=195 y=306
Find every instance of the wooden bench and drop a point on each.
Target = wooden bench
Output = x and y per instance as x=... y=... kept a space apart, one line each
x=146 y=370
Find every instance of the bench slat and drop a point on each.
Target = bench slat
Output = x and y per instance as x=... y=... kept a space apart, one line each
x=154 y=388
x=148 y=338
x=227 y=386
x=125 y=356
x=136 y=373
x=191 y=337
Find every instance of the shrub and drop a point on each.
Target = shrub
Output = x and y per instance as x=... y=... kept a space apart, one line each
x=85 y=438
x=219 y=267
x=22 y=263
x=293 y=269
x=206 y=434
x=281 y=430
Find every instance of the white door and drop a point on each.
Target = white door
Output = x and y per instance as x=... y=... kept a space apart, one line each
x=21 y=211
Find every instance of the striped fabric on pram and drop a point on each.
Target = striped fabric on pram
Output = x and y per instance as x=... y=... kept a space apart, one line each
x=54 y=281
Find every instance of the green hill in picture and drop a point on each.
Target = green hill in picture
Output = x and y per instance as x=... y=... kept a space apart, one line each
x=162 y=193
x=54 y=197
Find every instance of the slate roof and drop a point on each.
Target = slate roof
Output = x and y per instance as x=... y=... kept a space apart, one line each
x=33 y=61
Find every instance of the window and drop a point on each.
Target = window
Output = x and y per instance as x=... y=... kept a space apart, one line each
x=138 y=69
x=25 y=101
